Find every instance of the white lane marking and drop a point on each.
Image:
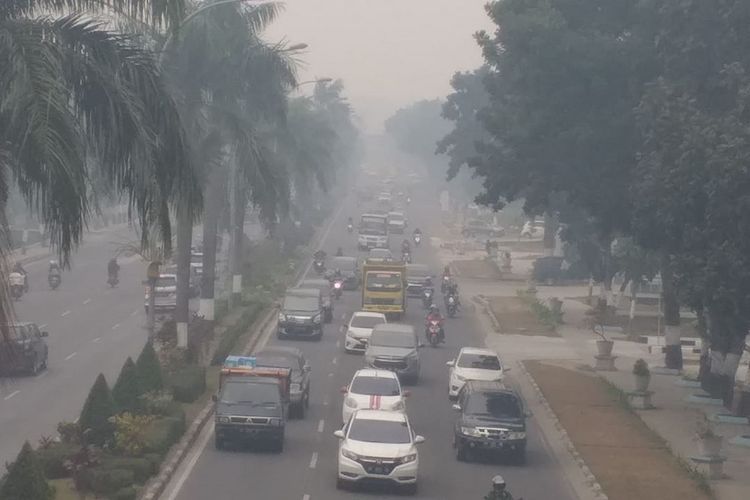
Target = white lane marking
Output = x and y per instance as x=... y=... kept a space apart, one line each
x=97 y=339
x=75 y=421
x=6 y=398
x=190 y=463
x=325 y=401
x=70 y=356
x=335 y=360
x=134 y=312
x=321 y=425
x=86 y=301
x=324 y=237
x=305 y=497
x=45 y=325
x=116 y=326
x=338 y=344
x=330 y=374
x=66 y=313
x=314 y=460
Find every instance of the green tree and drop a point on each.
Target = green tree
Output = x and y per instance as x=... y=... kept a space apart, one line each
x=418 y=127
x=148 y=370
x=25 y=480
x=126 y=390
x=99 y=407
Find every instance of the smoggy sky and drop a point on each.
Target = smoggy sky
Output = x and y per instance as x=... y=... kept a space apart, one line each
x=389 y=53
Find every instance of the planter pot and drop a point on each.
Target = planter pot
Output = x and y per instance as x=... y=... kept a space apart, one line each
x=710 y=446
x=604 y=347
x=641 y=382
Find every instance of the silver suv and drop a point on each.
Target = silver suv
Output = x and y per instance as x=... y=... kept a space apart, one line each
x=395 y=347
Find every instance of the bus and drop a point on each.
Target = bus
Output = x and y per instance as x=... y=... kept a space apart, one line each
x=373 y=231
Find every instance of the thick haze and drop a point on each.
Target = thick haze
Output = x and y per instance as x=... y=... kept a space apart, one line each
x=388 y=52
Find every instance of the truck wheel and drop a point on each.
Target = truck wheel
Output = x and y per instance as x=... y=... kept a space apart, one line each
x=461 y=454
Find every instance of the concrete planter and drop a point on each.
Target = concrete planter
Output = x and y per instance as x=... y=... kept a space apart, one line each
x=641 y=382
x=604 y=347
x=710 y=446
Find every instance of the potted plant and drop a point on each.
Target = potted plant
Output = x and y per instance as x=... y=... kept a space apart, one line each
x=604 y=345
x=642 y=375
x=709 y=443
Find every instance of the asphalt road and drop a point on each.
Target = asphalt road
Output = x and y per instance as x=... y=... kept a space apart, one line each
x=306 y=469
x=92 y=329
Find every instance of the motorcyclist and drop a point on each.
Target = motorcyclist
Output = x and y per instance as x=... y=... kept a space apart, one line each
x=350 y=221
x=434 y=315
x=320 y=255
x=54 y=268
x=405 y=246
x=452 y=292
x=15 y=279
x=498 y=490
x=113 y=268
x=18 y=268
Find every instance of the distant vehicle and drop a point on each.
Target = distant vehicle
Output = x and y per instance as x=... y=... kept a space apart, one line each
x=165 y=299
x=301 y=314
x=384 y=288
x=293 y=359
x=373 y=390
x=373 y=231
x=491 y=419
x=252 y=405
x=349 y=268
x=379 y=255
x=417 y=277
x=360 y=328
x=473 y=363
x=378 y=446
x=26 y=351
x=477 y=228
x=396 y=222
x=325 y=289
x=395 y=347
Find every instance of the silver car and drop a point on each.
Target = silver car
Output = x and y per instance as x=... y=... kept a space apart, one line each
x=395 y=347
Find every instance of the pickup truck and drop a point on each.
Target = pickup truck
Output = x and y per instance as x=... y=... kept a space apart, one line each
x=252 y=404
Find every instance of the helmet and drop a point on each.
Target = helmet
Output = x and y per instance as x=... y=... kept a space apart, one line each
x=498 y=483
x=434 y=309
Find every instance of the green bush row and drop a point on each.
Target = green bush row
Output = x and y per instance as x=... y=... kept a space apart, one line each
x=233 y=333
x=188 y=383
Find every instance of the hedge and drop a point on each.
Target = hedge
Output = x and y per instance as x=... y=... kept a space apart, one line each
x=142 y=468
x=233 y=333
x=163 y=433
x=126 y=493
x=52 y=459
x=188 y=383
x=104 y=481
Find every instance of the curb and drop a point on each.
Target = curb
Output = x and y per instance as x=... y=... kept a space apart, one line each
x=488 y=310
x=155 y=487
x=590 y=479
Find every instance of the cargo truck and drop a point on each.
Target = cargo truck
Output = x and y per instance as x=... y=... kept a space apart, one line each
x=384 y=288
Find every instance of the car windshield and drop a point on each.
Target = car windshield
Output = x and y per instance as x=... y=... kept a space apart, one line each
x=392 y=339
x=379 y=431
x=366 y=321
x=372 y=226
x=166 y=281
x=417 y=271
x=240 y=392
x=380 y=253
x=376 y=386
x=383 y=282
x=297 y=303
x=344 y=264
x=276 y=361
x=498 y=405
x=481 y=361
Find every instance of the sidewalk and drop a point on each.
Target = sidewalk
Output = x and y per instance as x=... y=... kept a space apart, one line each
x=673 y=419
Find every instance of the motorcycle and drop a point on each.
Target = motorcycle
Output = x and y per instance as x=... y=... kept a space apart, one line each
x=319 y=266
x=349 y=228
x=16 y=291
x=338 y=287
x=112 y=281
x=417 y=239
x=444 y=285
x=427 y=297
x=433 y=332
x=406 y=257
x=54 y=281
x=451 y=306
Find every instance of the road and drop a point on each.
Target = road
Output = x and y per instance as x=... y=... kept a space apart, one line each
x=92 y=329
x=306 y=469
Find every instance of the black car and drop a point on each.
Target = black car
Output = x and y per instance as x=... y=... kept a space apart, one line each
x=325 y=288
x=294 y=359
x=349 y=270
x=301 y=314
x=26 y=352
x=417 y=277
x=491 y=419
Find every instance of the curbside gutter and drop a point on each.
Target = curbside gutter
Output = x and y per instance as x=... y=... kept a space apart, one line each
x=582 y=480
x=482 y=301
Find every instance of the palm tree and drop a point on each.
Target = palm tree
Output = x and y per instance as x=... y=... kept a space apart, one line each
x=73 y=91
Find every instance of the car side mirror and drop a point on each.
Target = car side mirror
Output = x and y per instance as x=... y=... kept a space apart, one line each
x=214 y=398
x=344 y=390
x=507 y=369
x=44 y=334
x=456 y=407
x=339 y=434
x=419 y=439
x=528 y=414
x=406 y=394
x=450 y=363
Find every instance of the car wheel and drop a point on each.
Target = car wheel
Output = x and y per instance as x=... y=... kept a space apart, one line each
x=462 y=454
x=410 y=489
x=218 y=443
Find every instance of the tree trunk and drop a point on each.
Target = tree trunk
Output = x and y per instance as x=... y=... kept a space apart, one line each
x=184 y=241
x=728 y=333
x=605 y=287
x=671 y=307
x=238 y=236
x=550 y=231
x=213 y=205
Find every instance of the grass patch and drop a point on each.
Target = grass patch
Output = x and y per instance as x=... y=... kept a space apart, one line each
x=550 y=317
x=64 y=489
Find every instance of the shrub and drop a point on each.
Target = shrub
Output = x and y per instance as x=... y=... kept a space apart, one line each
x=96 y=413
x=104 y=481
x=141 y=467
x=126 y=390
x=233 y=333
x=25 y=480
x=156 y=402
x=130 y=432
x=126 y=493
x=149 y=370
x=70 y=432
x=640 y=368
x=162 y=433
x=188 y=383
x=53 y=459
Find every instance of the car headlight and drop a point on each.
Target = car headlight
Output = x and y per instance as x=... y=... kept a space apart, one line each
x=350 y=402
x=275 y=422
x=413 y=355
x=469 y=431
x=349 y=454
x=282 y=317
x=516 y=435
x=407 y=458
x=398 y=406
x=460 y=378
x=316 y=318
x=222 y=420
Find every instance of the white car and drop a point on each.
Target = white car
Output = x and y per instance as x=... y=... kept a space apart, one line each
x=378 y=445
x=473 y=364
x=373 y=390
x=360 y=328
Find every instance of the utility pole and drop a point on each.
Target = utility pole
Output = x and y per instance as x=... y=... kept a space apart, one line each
x=152 y=274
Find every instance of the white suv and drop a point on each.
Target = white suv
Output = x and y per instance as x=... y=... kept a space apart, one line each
x=473 y=364
x=374 y=390
x=378 y=445
x=360 y=328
